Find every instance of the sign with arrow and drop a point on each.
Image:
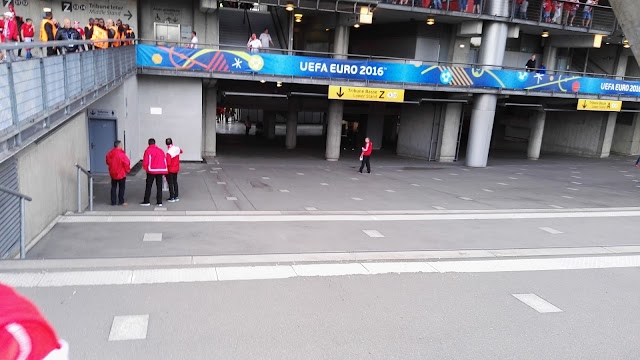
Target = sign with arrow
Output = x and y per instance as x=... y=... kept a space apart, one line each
x=599 y=105
x=365 y=94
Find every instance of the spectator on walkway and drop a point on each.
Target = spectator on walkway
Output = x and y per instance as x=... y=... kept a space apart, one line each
x=247 y=126
x=99 y=32
x=173 y=166
x=194 y=40
x=557 y=12
x=129 y=34
x=587 y=12
x=265 y=39
x=254 y=44
x=436 y=4
x=638 y=162
x=112 y=33
x=523 y=9
x=542 y=70
x=546 y=11
x=79 y=29
x=48 y=32
x=516 y=9
x=531 y=64
x=569 y=12
x=28 y=32
x=366 y=155
x=463 y=5
x=24 y=332
x=119 y=166
x=67 y=33
x=10 y=33
x=154 y=163
x=477 y=6
x=88 y=30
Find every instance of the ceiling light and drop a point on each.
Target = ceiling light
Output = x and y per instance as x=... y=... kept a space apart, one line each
x=327 y=29
x=279 y=84
x=298 y=17
x=366 y=16
x=545 y=34
x=356 y=26
x=625 y=44
x=256 y=4
x=431 y=21
x=462 y=46
x=263 y=81
x=289 y=7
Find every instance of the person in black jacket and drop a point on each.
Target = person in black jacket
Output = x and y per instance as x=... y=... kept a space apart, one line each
x=67 y=33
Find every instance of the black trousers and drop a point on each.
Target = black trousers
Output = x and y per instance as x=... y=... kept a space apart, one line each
x=365 y=161
x=172 y=180
x=52 y=51
x=147 y=192
x=118 y=186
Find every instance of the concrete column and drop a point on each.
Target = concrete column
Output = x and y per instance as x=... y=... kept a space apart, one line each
x=450 y=132
x=635 y=135
x=535 y=137
x=292 y=125
x=375 y=124
x=269 y=125
x=334 y=130
x=606 y=137
x=341 y=42
x=210 y=104
x=549 y=58
x=621 y=66
x=494 y=41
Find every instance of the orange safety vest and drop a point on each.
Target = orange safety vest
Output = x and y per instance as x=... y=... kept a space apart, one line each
x=129 y=35
x=116 y=36
x=100 y=34
x=43 y=32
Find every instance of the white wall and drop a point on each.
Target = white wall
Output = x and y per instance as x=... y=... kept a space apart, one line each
x=180 y=100
x=414 y=136
x=574 y=133
x=626 y=137
x=47 y=173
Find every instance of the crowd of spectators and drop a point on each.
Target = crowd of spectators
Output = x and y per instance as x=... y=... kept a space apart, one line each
x=14 y=29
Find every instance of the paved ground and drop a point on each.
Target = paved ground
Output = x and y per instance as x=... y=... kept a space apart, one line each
x=407 y=316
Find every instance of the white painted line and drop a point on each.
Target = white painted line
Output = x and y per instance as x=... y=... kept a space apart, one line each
x=623 y=171
x=310 y=208
x=252 y=169
x=575 y=172
x=185 y=173
x=635 y=180
x=356 y=199
x=166 y=276
x=301 y=174
x=255 y=273
x=232 y=198
x=630 y=175
x=355 y=179
x=465 y=169
x=398 y=267
x=576 y=183
x=216 y=168
x=503 y=184
x=400 y=170
x=537 y=303
x=390 y=191
x=519 y=174
x=159 y=208
x=416 y=185
x=23 y=280
x=132 y=327
x=573 y=189
x=80 y=278
x=324 y=184
x=556 y=207
x=436 y=179
x=213 y=172
x=567 y=197
x=222 y=183
x=377 y=174
x=513 y=178
x=330 y=269
x=373 y=233
x=453 y=174
x=551 y=230
x=523 y=169
x=576 y=177
x=465 y=198
x=284 y=190
x=487 y=190
x=438 y=207
x=201 y=171
x=266 y=178
x=152 y=237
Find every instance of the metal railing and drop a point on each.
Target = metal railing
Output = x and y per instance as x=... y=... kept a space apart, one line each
x=43 y=92
x=389 y=59
x=79 y=170
x=23 y=199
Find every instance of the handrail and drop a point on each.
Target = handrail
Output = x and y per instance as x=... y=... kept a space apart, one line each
x=23 y=198
x=388 y=58
x=39 y=44
x=90 y=179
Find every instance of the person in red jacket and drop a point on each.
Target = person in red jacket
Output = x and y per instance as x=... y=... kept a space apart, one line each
x=173 y=166
x=10 y=32
x=366 y=154
x=154 y=163
x=119 y=166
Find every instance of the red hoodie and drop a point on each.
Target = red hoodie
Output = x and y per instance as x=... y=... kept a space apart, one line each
x=118 y=163
x=10 y=30
x=154 y=161
x=173 y=159
x=367 y=149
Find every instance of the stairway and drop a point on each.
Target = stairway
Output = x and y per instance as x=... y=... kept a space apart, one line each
x=237 y=25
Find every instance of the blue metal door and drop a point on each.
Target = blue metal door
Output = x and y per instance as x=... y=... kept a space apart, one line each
x=102 y=135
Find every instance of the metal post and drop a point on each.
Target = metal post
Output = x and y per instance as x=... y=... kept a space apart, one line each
x=90 y=193
x=79 y=191
x=14 y=102
x=65 y=73
x=23 y=251
x=291 y=22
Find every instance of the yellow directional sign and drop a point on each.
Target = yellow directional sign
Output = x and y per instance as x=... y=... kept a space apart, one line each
x=365 y=94
x=599 y=105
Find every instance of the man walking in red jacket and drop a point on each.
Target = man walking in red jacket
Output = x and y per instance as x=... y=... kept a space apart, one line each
x=119 y=166
x=154 y=163
x=366 y=154
x=173 y=165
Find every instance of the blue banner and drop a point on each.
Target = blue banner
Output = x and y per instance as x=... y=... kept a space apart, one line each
x=303 y=66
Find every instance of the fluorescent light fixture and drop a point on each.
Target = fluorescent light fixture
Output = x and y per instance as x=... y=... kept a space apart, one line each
x=366 y=16
x=431 y=21
x=289 y=7
x=545 y=34
x=597 y=40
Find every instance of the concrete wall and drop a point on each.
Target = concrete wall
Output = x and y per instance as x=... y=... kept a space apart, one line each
x=626 y=137
x=186 y=13
x=47 y=173
x=574 y=133
x=180 y=103
x=416 y=126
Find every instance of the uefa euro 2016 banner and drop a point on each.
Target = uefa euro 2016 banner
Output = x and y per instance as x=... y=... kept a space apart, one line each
x=327 y=68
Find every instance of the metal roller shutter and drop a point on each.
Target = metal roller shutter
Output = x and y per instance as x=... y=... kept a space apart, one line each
x=9 y=209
